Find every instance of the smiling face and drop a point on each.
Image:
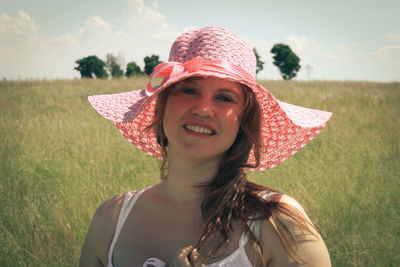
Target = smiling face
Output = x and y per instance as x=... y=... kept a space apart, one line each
x=202 y=117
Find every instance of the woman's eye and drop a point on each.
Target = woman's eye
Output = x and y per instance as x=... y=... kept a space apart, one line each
x=189 y=91
x=225 y=98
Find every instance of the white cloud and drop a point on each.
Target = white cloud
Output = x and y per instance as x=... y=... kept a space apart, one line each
x=325 y=63
x=386 y=58
x=350 y=61
x=22 y=25
x=149 y=22
x=25 y=52
x=301 y=44
x=387 y=52
x=94 y=24
x=309 y=48
x=384 y=63
x=392 y=37
x=19 y=39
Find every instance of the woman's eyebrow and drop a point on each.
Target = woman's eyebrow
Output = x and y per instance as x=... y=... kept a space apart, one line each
x=189 y=82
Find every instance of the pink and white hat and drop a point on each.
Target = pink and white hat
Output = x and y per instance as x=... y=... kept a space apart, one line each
x=213 y=52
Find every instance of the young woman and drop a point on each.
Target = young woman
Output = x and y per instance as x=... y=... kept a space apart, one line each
x=208 y=121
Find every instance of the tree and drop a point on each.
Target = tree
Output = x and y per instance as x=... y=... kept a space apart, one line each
x=91 y=66
x=286 y=60
x=113 y=66
x=260 y=64
x=132 y=69
x=150 y=63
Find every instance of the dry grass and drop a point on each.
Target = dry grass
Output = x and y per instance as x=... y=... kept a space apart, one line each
x=59 y=160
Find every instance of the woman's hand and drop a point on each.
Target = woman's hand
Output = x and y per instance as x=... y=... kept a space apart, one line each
x=186 y=257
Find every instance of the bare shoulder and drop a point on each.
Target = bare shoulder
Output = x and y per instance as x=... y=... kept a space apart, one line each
x=101 y=232
x=310 y=246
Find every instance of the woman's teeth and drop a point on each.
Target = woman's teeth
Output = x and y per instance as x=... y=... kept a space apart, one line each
x=199 y=129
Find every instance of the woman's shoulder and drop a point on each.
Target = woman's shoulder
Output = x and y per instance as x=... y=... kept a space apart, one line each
x=102 y=228
x=283 y=200
x=109 y=209
x=107 y=214
x=305 y=239
x=293 y=204
x=269 y=194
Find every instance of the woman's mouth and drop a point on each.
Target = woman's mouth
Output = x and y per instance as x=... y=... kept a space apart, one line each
x=198 y=129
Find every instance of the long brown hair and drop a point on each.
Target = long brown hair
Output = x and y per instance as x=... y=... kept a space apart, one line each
x=229 y=195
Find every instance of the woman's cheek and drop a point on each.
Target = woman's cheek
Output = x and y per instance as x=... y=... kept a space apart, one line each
x=179 y=102
x=232 y=114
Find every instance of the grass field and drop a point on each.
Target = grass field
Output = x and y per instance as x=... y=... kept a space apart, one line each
x=59 y=160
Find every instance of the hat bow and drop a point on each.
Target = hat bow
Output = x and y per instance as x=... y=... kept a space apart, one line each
x=173 y=71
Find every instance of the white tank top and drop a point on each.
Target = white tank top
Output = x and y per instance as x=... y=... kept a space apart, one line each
x=238 y=258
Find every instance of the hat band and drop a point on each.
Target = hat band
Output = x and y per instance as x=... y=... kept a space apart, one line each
x=171 y=71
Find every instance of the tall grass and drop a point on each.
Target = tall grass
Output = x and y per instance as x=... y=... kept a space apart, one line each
x=59 y=160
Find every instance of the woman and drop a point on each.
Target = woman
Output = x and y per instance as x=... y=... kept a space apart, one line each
x=207 y=121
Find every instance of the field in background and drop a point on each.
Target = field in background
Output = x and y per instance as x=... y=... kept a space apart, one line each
x=59 y=160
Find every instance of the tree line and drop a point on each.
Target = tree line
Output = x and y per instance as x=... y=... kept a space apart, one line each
x=92 y=66
x=285 y=60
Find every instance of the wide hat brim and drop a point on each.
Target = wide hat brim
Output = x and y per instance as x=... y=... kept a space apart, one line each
x=285 y=128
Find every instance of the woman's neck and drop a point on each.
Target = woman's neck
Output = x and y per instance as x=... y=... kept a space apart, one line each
x=183 y=177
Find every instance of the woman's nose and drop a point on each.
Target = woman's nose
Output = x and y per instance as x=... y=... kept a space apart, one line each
x=203 y=107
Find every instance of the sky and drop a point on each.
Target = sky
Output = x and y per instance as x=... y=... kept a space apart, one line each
x=335 y=40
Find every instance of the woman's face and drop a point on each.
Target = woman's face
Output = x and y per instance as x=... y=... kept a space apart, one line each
x=202 y=117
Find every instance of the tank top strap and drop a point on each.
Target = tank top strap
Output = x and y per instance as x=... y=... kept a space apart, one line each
x=254 y=228
x=254 y=225
x=129 y=201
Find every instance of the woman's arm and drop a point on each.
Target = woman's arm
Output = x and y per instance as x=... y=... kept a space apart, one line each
x=310 y=246
x=101 y=232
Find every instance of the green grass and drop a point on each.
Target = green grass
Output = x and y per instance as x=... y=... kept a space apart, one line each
x=59 y=160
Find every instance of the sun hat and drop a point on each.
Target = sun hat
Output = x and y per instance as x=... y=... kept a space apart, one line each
x=213 y=52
